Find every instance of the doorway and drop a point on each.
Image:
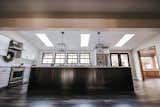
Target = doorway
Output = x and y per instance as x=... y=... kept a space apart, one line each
x=149 y=63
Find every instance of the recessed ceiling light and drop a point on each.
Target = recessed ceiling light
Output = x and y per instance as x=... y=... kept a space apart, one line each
x=43 y=37
x=124 y=40
x=85 y=40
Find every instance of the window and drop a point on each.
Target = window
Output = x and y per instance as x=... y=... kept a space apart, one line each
x=119 y=59
x=47 y=58
x=147 y=63
x=148 y=59
x=124 y=60
x=60 y=58
x=114 y=60
x=72 y=58
x=69 y=58
x=84 y=58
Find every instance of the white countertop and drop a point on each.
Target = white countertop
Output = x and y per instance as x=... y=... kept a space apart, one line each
x=44 y=66
x=8 y=65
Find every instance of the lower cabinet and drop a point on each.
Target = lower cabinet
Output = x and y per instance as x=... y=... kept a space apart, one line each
x=83 y=79
x=26 y=74
x=4 y=76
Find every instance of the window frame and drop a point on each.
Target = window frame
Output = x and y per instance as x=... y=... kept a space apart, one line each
x=85 y=58
x=43 y=54
x=60 y=58
x=119 y=59
x=72 y=58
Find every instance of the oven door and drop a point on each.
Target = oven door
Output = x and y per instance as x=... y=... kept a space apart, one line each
x=16 y=74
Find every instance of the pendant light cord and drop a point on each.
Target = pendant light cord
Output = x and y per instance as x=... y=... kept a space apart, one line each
x=98 y=33
x=62 y=37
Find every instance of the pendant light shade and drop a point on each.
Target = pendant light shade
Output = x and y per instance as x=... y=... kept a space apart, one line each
x=61 y=46
x=100 y=47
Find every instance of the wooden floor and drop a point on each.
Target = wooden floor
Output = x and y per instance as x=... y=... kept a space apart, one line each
x=147 y=94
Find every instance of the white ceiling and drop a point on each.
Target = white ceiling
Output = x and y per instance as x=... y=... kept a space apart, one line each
x=109 y=37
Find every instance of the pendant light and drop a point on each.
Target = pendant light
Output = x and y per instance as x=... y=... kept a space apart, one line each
x=99 y=44
x=61 y=46
x=100 y=47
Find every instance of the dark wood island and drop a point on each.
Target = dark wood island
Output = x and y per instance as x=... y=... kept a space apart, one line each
x=78 y=79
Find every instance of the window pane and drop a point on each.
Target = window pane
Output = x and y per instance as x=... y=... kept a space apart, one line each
x=60 y=58
x=60 y=55
x=72 y=56
x=84 y=61
x=84 y=55
x=147 y=63
x=114 y=60
x=72 y=59
x=59 y=61
x=47 y=61
x=62 y=61
x=47 y=58
x=124 y=60
x=84 y=58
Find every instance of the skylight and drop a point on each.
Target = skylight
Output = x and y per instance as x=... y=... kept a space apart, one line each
x=85 y=40
x=43 y=37
x=124 y=40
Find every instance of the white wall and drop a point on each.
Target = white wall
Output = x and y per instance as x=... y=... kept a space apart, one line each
x=155 y=41
x=29 y=54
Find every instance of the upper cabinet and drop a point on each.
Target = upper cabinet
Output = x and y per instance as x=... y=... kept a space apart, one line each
x=4 y=43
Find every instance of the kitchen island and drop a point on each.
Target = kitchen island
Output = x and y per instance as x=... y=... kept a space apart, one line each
x=81 y=79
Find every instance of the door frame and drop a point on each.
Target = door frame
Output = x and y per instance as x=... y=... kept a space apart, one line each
x=140 y=63
x=119 y=58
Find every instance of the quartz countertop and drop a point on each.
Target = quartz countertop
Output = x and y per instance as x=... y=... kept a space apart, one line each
x=75 y=67
x=9 y=66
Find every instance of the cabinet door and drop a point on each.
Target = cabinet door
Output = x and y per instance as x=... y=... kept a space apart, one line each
x=26 y=74
x=4 y=43
x=4 y=76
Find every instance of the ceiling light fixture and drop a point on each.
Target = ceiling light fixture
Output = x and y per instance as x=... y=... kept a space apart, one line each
x=43 y=37
x=101 y=48
x=85 y=40
x=124 y=40
x=61 y=46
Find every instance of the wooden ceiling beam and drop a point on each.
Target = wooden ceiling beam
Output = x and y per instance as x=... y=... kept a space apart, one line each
x=78 y=23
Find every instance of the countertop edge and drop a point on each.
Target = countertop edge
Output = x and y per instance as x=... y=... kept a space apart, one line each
x=75 y=67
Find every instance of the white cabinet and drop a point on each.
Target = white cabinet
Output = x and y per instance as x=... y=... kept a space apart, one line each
x=4 y=76
x=4 y=43
x=26 y=75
